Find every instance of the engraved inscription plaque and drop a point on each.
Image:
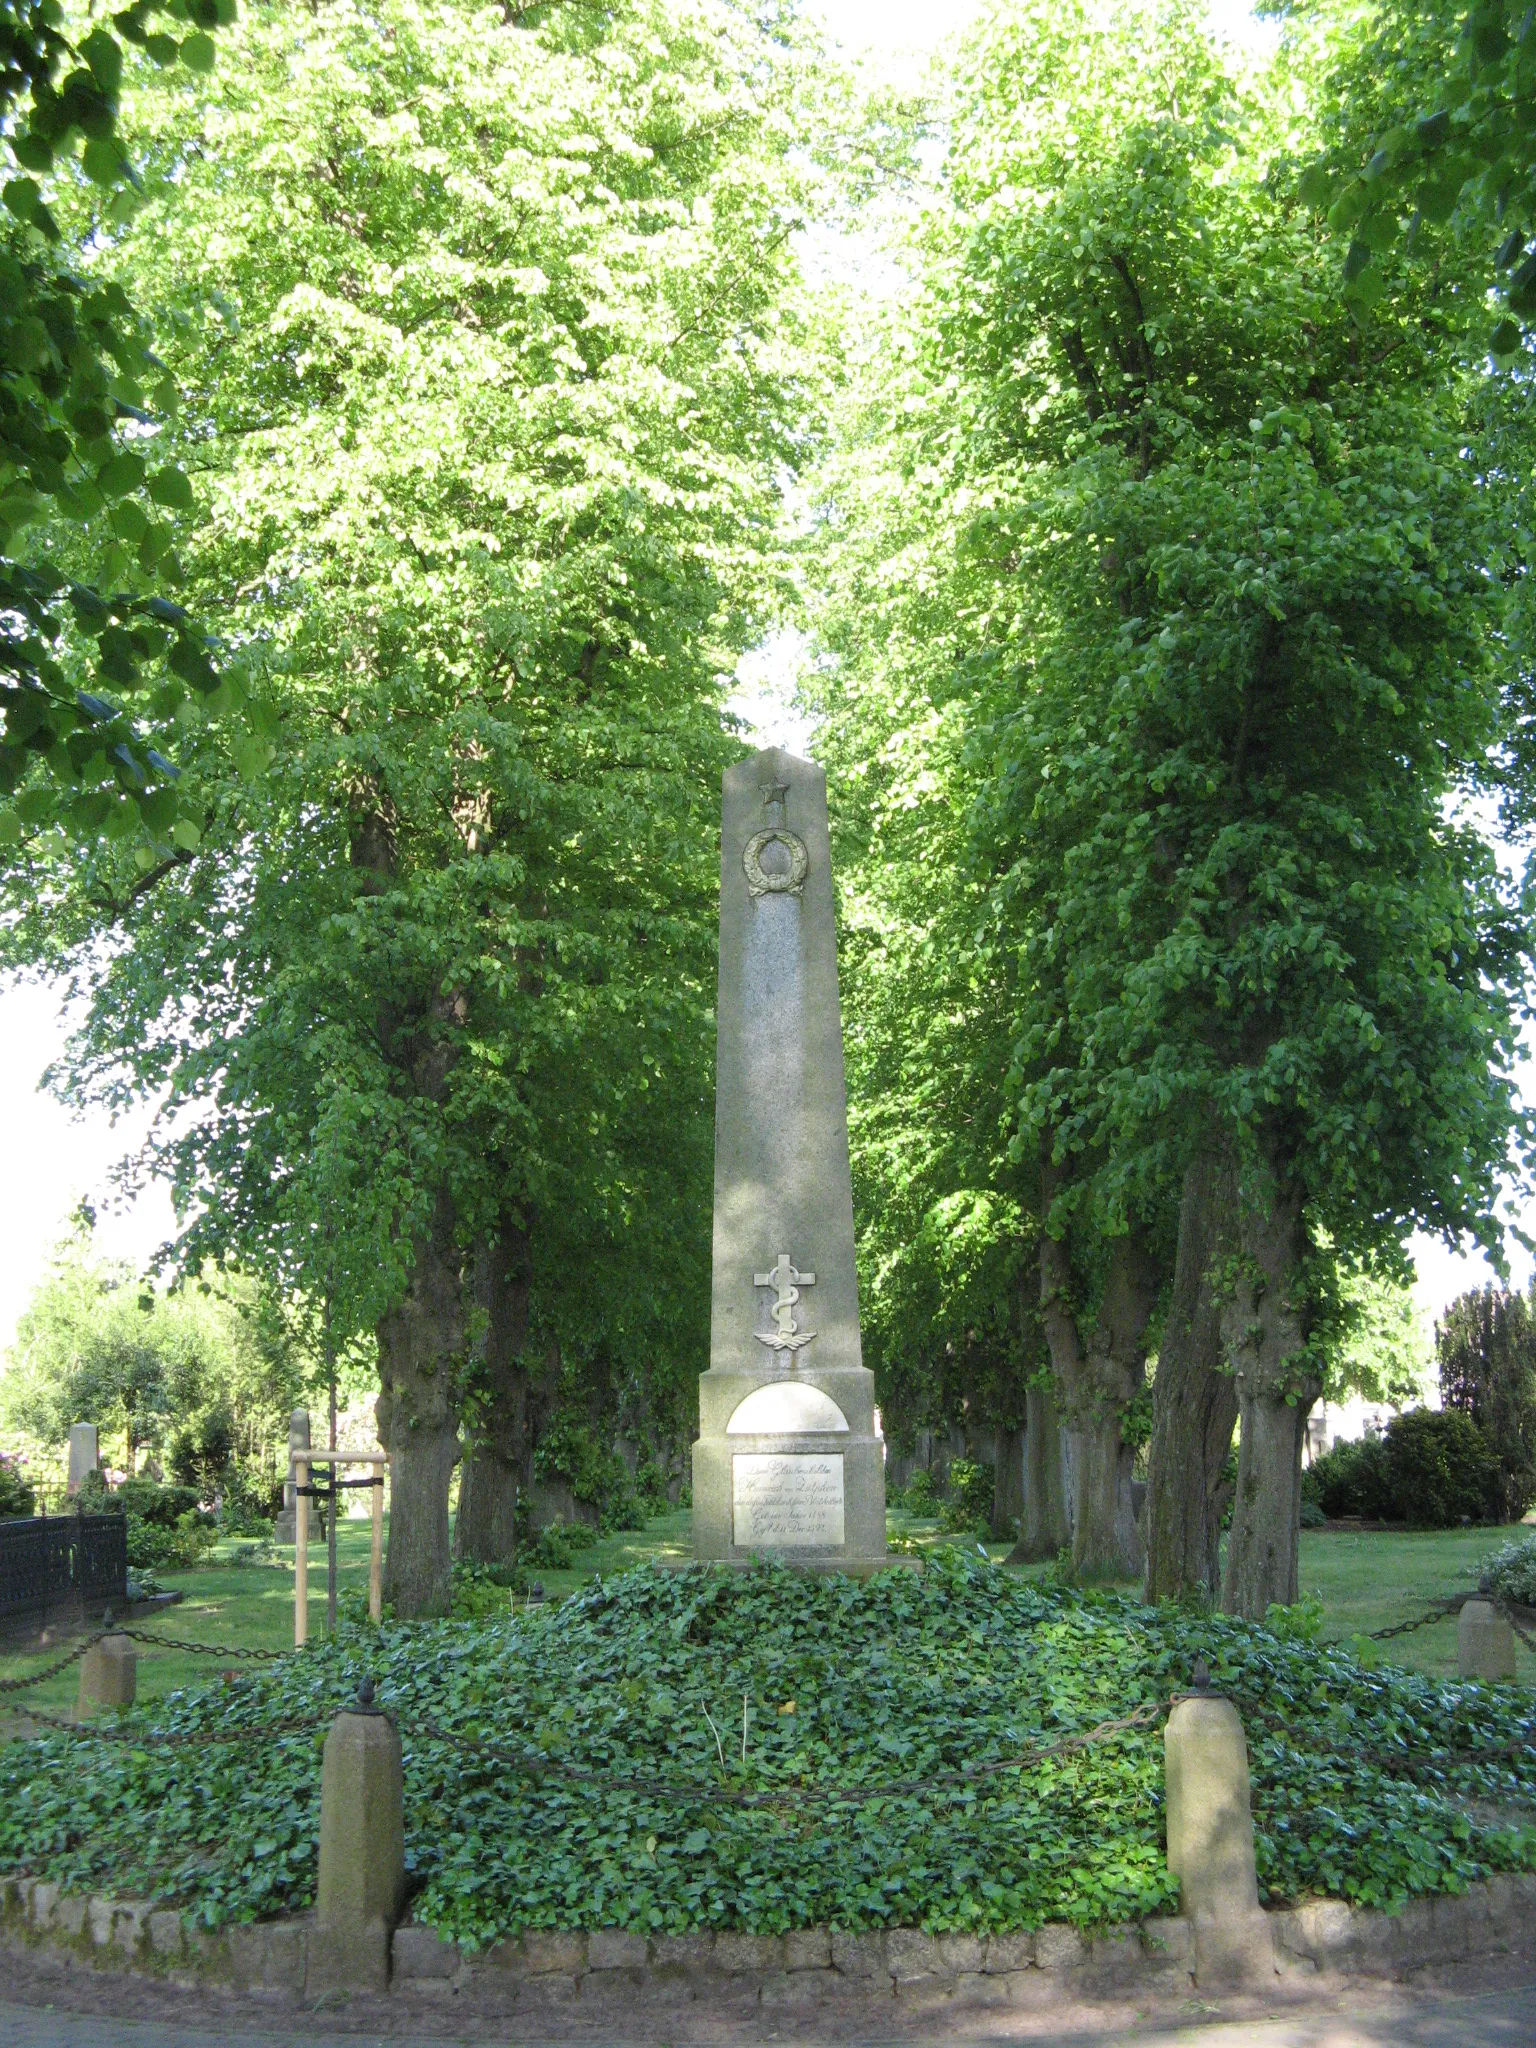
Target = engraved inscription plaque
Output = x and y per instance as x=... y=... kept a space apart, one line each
x=782 y=1501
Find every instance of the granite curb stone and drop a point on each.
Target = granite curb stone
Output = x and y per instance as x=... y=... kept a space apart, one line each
x=1327 y=1940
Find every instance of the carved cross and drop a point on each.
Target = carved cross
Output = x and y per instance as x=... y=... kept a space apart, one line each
x=786 y=1283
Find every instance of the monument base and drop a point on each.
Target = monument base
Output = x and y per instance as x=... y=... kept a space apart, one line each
x=789 y=1465
x=850 y=1567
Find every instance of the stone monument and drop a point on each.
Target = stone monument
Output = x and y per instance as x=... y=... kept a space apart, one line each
x=84 y=1456
x=789 y=1460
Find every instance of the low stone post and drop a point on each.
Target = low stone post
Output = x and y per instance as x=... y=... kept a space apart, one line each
x=1210 y=1839
x=1485 y=1643
x=109 y=1674
x=84 y=1456
x=362 y=1851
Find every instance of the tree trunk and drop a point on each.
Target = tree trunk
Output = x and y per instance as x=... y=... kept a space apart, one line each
x=420 y=1358
x=1194 y=1402
x=496 y=1448
x=1098 y=1382
x=1044 y=1530
x=1265 y=1324
x=1008 y=1486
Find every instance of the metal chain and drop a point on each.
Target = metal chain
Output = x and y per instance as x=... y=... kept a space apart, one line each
x=1441 y=1611
x=60 y=1664
x=140 y=1635
x=153 y=1738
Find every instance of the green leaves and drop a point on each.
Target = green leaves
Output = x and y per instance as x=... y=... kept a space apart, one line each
x=1361 y=1780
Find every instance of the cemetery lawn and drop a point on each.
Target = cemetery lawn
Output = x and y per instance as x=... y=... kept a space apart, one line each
x=1373 y=1578
x=673 y=1749
x=1365 y=1579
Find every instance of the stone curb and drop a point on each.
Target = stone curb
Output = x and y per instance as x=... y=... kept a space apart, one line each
x=812 y=1966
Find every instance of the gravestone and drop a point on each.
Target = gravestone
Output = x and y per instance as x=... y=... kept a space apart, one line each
x=789 y=1459
x=84 y=1455
x=284 y=1528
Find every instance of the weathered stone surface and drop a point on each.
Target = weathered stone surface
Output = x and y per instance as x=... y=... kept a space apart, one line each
x=796 y=1989
x=98 y=1918
x=1115 y=1959
x=1485 y=1643
x=909 y=1955
x=130 y=1925
x=977 y=1987
x=1209 y=1814
x=362 y=1855
x=69 y=1917
x=689 y=1955
x=165 y=1938
x=1007 y=1952
x=615 y=1948
x=962 y=1954
x=1168 y=1941
x=784 y=1303
x=543 y=1950
x=1060 y=1948
x=109 y=1674
x=1319 y=1930
x=84 y=1456
x=808 y=1948
x=760 y=1953
x=859 y=1955
x=1234 y=1953
x=421 y=1952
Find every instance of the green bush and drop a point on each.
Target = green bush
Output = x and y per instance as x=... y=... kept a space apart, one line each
x=905 y=1681
x=1510 y=1571
x=651 y=1488
x=1312 y=1516
x=478 y=1592
x=968 y=1510
x=154 y=1547
x=1441 y=1469
x=918 y=1496
x=16 y=1496
x=595 y=1473
x=1351 y=1479
x=149 y=1501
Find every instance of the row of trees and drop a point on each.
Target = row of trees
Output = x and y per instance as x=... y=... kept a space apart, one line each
x=1171 y=600
x=1173 y=651
x=490 y=352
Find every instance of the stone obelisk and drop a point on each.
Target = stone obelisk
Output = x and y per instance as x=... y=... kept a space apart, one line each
x=788 y=1459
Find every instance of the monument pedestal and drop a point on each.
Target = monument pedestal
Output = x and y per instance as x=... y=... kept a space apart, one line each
x=789 y=1461
x=791 y=1466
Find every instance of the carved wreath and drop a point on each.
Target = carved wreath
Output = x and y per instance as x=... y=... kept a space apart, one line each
x=759 y=881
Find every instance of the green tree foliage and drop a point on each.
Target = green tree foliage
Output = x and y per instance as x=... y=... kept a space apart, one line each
x=202 y=1379
x=1433 y=152
x=1487 y=1353
x=1226 y=648
x=97 y=663
x=490 y=341
x=1381 y=1350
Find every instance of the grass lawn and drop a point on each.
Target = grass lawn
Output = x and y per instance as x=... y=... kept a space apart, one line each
x=1365 y=1580
x=1370 y=1578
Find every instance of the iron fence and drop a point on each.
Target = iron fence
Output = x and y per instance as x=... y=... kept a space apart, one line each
x=60 y=1560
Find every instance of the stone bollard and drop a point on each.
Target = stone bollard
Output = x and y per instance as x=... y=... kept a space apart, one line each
x=1485 y=1642
x=362 y=1852
x=1210 y=1839
x=109 y=1674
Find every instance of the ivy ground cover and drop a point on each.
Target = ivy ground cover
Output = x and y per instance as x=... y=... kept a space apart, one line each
x=675 y=1749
